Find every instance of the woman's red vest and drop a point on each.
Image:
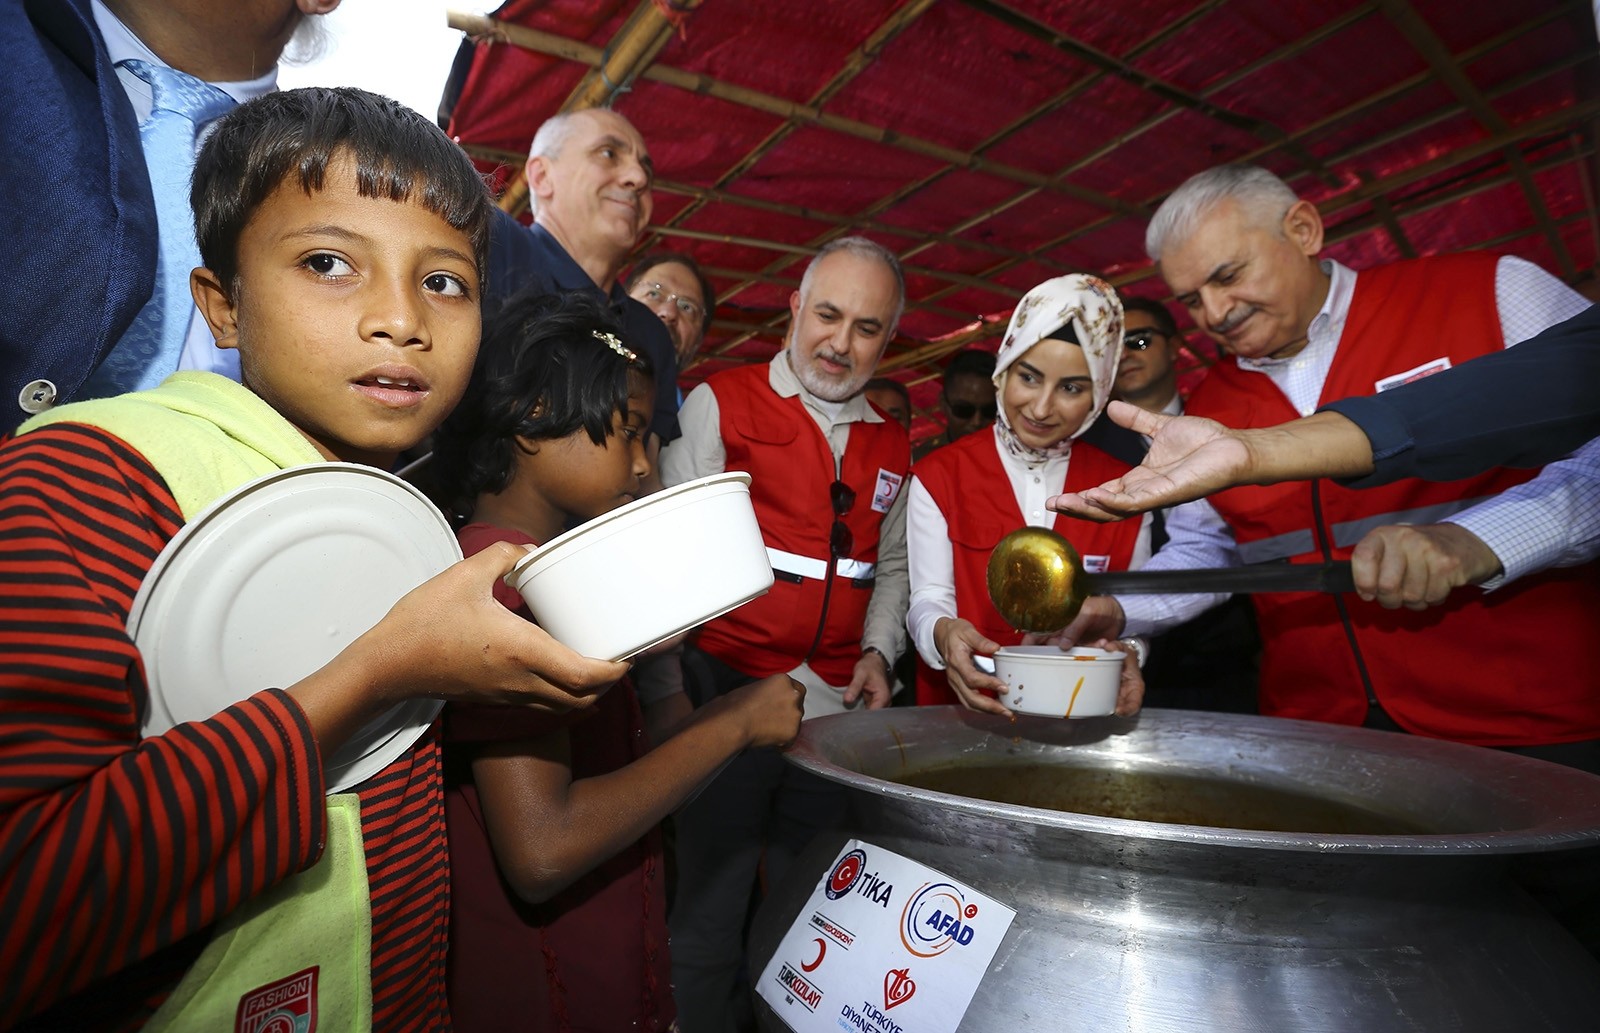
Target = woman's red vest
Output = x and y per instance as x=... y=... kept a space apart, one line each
x=1516 y=667
x=791 y=468
x=972 y=490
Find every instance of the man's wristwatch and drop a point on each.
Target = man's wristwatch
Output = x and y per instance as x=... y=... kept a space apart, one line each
x=888 y=665
x=1137 y=647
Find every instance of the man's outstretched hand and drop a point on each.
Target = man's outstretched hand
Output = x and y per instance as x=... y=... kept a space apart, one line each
x=1189 y=458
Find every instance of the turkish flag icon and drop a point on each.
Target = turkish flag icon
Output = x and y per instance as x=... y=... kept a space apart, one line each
x=898 y=986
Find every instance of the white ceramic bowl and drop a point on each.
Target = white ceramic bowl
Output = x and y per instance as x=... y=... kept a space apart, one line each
x=1046 y=680
x=649 y=570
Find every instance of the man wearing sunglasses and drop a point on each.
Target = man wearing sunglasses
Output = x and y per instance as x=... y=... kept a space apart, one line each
x=1213 y=660
x=827 y=471
x=1148 y=374
x=966 y=398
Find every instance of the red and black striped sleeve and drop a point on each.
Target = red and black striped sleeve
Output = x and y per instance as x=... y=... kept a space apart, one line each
x=113 y=847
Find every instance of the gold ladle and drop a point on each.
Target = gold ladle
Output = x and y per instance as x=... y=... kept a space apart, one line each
x=1037 y=581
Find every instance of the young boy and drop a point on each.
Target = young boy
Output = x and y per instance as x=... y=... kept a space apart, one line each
x=199 y=879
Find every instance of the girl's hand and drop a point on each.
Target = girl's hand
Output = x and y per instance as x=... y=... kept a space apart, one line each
x=1130 y=693
x=957 y=640
x=771 y=710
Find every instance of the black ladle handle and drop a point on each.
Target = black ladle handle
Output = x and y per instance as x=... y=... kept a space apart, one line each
x=1268 y=577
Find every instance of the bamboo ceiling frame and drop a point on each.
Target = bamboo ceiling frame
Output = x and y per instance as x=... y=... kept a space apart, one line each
x=1335 y=118
x=642 y=40
x=1427 y=43
x=1382 y=96
x=1016 y=125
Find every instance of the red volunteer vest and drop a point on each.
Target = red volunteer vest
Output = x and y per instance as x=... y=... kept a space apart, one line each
x=970 y=486
x=791 y=467
x=1517 y=667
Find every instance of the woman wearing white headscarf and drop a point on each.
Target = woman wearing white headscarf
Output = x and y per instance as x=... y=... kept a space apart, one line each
x=1053 y=377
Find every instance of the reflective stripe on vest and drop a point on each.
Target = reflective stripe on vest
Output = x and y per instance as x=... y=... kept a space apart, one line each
x=1346 y=534
x=817 y=570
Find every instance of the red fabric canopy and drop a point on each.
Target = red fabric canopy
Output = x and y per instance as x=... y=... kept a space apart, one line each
x=1417 y=126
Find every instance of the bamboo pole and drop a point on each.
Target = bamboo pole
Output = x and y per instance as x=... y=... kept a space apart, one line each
x=631 y=51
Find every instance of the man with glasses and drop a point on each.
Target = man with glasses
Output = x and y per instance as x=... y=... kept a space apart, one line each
x=589 y=176
x=671 y=285
x=966 y=398
x=827 y=472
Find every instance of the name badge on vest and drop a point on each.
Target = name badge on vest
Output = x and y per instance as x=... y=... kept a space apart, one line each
x=1096 y=564
x=1427 y=369
x=883 y=495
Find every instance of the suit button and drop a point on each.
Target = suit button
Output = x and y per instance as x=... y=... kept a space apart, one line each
x=37 y=396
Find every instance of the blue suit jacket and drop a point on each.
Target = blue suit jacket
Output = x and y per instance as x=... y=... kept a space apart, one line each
x=528 y=258
x=75 y=201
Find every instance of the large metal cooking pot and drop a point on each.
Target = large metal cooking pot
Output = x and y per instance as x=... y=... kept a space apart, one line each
x=1390 y=909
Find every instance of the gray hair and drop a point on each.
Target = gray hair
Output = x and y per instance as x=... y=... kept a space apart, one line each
x=548 y=141
x=1261 y=194
x=872 y=251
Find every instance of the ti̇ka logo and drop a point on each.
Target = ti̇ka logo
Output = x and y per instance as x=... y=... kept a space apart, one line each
x=850 y=874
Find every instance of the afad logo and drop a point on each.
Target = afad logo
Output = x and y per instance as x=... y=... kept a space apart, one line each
x=849 y=874
x=936 y=917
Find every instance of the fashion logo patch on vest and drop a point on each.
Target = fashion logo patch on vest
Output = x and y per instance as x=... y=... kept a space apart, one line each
x=1096 y=564
x=286 y=1006
x=1427 y=369
x=883 y=495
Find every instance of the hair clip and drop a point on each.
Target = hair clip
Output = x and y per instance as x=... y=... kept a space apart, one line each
x=615 y=344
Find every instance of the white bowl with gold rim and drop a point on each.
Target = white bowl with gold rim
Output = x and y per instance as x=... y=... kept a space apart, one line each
x=1055 y=682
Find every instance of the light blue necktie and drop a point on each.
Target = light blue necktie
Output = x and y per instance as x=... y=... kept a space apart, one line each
x=148 y=352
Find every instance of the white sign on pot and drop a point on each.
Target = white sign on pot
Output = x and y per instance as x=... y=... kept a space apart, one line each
x=884 y=944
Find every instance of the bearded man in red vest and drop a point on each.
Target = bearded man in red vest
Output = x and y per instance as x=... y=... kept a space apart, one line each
x=826 y=475
x=1512 y=664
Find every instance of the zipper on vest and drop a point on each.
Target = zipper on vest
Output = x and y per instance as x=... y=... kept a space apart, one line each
x=1320 y=529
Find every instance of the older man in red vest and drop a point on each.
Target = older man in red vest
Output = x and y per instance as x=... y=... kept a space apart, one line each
x=1513 y=664
x=827 y=470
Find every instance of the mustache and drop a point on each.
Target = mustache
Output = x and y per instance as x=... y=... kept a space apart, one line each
x=1233 y=319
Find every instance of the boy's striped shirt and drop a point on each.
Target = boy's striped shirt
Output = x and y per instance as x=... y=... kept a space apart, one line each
x=116 y=854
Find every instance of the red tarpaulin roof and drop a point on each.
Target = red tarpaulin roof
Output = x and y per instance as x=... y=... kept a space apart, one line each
x=993 y=144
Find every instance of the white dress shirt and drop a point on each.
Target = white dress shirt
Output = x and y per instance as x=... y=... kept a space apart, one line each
x=200 y=349
x=1551 y=520
x=932 y=562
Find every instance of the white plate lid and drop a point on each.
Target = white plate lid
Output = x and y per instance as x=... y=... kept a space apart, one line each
x=273 y=580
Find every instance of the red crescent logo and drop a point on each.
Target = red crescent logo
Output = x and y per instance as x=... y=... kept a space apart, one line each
x=822 y=952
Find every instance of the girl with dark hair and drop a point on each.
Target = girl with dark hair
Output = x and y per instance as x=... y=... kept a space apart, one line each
x=555 y=857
